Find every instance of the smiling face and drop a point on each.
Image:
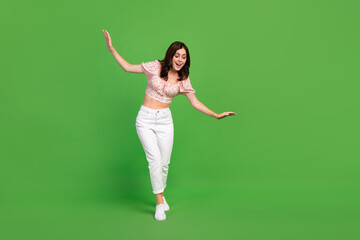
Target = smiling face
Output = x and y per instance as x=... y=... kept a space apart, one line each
x=179 y=59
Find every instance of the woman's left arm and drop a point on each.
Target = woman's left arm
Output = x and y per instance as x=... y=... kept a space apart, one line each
x=202 y=108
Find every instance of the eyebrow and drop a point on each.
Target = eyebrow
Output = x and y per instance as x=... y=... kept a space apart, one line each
x=179 y=53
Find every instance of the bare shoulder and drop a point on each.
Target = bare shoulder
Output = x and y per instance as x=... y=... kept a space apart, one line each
x=134 y=68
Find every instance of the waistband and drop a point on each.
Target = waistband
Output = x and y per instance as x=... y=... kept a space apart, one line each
x=154 y=111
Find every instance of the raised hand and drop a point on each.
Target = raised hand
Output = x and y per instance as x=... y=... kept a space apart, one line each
x=108 y=40
x=225 y=114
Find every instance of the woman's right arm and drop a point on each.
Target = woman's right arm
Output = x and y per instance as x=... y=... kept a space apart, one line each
x=122 y=62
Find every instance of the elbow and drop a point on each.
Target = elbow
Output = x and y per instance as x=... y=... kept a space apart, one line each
x=127 y=67
x=196 y=104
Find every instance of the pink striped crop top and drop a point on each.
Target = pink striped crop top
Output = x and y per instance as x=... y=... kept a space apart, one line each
x=160 y=89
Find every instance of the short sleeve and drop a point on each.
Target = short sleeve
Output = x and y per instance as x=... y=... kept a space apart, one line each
x=185 y=86
x=150 y=68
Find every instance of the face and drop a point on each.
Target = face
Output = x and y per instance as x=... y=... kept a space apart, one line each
x=179 y=59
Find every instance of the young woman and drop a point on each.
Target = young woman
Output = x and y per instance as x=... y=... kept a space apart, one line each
x=154 y=125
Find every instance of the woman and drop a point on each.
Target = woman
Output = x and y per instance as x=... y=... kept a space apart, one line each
x=154 y=125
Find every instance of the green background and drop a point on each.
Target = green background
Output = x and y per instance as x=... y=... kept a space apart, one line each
x=285 y=167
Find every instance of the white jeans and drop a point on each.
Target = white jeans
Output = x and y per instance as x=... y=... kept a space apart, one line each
x=155 y=129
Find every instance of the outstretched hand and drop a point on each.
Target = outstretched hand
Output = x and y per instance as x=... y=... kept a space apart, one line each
x=225 y=114
x=108 y=40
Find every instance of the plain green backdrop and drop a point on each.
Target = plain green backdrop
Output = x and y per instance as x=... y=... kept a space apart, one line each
x=285 y=167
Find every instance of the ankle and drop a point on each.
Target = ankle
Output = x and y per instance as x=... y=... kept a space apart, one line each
x=159 y=202
x=159 y=198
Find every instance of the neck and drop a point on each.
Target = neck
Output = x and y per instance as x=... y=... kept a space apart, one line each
x=172 y=71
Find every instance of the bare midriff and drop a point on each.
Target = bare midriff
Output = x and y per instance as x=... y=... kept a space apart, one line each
x=154 y=104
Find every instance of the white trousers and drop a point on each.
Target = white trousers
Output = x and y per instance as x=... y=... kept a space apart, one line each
x=155 y=130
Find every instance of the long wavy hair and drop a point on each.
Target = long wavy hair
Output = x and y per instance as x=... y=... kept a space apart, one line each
x=167 y=61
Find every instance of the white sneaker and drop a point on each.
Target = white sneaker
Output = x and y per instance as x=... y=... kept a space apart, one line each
x=166 y=206
x=160 y=213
